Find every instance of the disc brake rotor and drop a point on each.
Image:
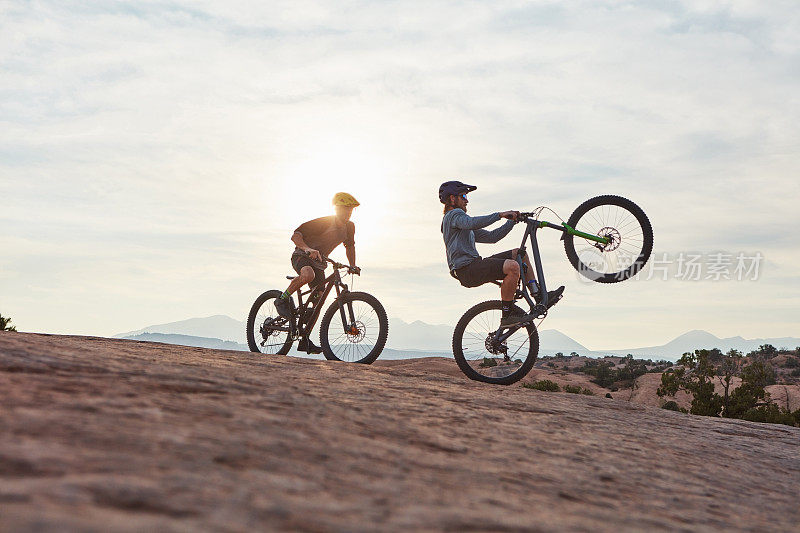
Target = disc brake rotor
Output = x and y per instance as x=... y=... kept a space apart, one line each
x=356 y=332
x=613 y=236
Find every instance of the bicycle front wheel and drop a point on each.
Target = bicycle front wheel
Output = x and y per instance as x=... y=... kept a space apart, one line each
x=482 y=358
x=267 y=331
x=628 y=230
x=359 y=341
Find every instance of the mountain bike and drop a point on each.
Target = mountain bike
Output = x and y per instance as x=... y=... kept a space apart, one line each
x=354 y=328
x=607 y=239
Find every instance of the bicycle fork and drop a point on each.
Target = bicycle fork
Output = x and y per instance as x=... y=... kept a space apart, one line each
x=346 y=326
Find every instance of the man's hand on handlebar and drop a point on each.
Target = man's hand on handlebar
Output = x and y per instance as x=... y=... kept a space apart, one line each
x=511 y=215
x=313 y=254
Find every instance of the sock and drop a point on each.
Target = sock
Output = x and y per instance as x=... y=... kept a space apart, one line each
x=285 y=295
x=506 y=307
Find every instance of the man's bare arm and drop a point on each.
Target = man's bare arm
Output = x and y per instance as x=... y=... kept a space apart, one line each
x=351 y=257
x=297 y=238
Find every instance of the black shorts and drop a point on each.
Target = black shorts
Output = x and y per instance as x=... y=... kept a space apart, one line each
x=299 y=261
x=483 y=270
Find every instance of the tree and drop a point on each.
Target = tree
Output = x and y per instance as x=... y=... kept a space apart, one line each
x=574 y=354
x=752 y=392
x=4 y=324
x=715 y=356
x=695 y=377
x=603 y=374
x=633 y=369
x=768 y=351
x=729 y=367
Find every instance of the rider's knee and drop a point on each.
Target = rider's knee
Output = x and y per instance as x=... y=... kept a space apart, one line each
x=306 y=274
x=511 y=268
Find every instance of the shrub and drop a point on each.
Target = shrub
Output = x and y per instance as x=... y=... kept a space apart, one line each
x=770 y=413
x=587 y=392
x=4 y=324
x=544 y=385
x=572 y=389
x=487 y=362
x=608 y=395
x=671 y=406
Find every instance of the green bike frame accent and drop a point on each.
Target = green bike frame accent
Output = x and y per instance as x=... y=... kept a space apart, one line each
x=572 y=231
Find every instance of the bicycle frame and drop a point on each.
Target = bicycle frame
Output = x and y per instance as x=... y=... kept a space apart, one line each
x=522 y=291
x=303 y=327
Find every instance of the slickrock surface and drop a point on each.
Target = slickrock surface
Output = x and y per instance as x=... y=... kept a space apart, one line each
x=101 y=434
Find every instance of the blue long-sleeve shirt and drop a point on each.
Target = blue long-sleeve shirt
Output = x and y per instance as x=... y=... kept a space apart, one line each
x=461 y=231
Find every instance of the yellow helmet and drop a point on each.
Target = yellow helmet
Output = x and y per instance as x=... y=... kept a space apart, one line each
x=344 y=199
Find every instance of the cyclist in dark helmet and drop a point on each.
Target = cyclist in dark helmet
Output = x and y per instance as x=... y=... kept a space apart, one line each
x=461 y=231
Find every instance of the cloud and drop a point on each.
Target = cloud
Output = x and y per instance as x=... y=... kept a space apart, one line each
x=181 y=127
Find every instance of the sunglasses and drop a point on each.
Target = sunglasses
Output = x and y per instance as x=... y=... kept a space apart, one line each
x=464 y=196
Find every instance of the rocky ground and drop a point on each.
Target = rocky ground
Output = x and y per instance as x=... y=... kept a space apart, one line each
x=101 y=434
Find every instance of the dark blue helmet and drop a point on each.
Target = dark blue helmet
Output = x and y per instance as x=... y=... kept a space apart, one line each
x=453 y=187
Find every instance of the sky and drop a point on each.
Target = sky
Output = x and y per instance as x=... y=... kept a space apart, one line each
x=155 y=157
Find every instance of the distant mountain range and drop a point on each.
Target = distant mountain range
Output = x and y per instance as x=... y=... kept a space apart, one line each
x=419 y=339
x=187 y=340
x=217 y=326
x=697 y=339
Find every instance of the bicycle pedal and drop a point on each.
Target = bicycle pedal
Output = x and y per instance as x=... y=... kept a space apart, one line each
x=539 y=310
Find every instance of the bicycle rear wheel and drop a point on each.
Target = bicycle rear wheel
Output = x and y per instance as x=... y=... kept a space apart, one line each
x=267 y=331
x=361 y=341
x=629 y=231
x=482 y=359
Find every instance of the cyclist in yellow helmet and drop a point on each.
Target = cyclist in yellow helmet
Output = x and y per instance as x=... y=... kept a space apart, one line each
x=314 y=240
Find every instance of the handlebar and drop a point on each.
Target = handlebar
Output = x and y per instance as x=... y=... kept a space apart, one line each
x=336 y=264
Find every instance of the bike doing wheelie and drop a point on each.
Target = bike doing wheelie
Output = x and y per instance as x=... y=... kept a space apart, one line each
x=354 y=328
x=607 y=239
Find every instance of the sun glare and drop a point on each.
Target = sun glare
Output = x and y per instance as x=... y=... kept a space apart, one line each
x=360 y=169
